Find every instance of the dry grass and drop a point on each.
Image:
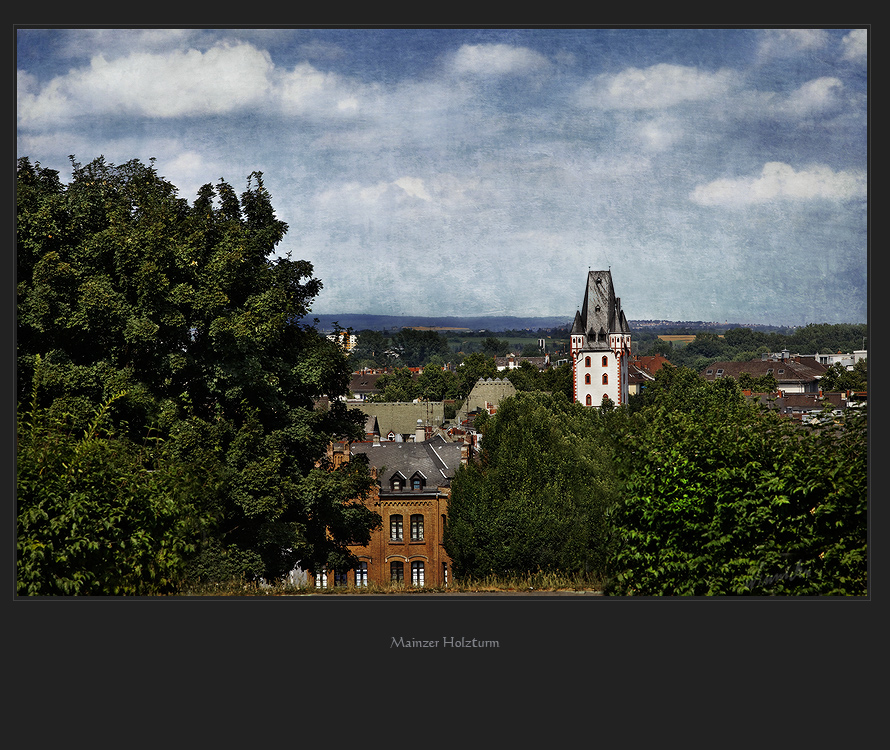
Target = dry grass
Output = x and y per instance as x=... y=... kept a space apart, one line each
x=536 y=582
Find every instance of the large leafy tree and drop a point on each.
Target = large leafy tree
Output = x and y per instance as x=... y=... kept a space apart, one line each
x=125 y=287
x=537 y=498
x=722 y=497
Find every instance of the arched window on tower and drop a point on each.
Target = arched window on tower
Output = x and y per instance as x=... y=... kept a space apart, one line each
x=587 y=361
x=605 y=361
x=587 y=379
x=605 y=380
x=589 y=400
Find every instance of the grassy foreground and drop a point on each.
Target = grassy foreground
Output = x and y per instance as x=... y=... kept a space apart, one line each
x=537 y=582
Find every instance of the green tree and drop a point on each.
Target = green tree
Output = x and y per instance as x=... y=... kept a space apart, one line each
x=723 y=498
x=398 y=385
x=415 y=348
x=839 y=378
x=123 y=286
x=474 y=366
x=370 y=350
x=495 y=347
x=537 y=498
x=100 y=515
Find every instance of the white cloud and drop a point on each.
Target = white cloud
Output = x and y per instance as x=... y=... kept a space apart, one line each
x=497 y=59
x=223 y=79
x=855 y=45
x=414 y=186
x=814 y=97
x=656 y=87
x=789 y=42
x=779 y=181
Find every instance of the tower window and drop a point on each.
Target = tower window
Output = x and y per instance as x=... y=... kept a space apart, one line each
x=605 y=380
x=605 y=361
x=589 y=401
x=587 y=379
x=587 y=361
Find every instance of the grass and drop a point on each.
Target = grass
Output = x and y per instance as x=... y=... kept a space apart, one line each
x=528 y=584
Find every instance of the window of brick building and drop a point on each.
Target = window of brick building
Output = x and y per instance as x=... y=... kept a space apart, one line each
x=417 y=528
x=417 y=574
x=339 y=577
x=397 y=571
x=395 y=528
x=361 y=574
x=321 y=579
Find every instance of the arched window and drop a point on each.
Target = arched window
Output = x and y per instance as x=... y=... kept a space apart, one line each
x=587 y=361
x=605 y=361
x=605 y=380
x=417 y=574
x=589 y=400
x=361 y=574
x=397 y=571
x=587 y=379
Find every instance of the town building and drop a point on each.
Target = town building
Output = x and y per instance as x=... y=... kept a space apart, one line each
x=514 y=361
x=600 y=344
x=411 y=496
x=794 y=373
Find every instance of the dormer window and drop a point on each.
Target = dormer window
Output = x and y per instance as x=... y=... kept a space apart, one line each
x=396 y=482
x=418 y=481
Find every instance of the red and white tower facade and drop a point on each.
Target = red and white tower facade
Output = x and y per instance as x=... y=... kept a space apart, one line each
x=600 y=344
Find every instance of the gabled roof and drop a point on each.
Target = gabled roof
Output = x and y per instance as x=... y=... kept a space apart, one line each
x=435 y=459
x=784 y=371
x=601 y=312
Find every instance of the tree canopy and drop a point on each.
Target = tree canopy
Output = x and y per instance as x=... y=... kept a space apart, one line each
x=180 y=323
x=537 y=498
x=723 y=497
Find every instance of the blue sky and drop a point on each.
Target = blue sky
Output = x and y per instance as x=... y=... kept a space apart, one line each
x=721 y=174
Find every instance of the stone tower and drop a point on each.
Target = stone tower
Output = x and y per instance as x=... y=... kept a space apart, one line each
x=600 y=344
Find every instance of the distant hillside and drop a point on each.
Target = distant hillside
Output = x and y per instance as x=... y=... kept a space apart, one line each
x=360 y=322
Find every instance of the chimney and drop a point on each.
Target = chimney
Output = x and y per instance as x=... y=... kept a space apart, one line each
x=419 y=432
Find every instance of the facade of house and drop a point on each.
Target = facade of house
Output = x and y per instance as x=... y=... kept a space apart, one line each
x=794 y=373
x=512 y=361
x=486 y=394
x=600 y=344
x=641 y=371
x=414 y=484
x=397 y=420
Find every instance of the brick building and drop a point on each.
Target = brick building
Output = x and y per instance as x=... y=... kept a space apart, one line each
x=414 y=484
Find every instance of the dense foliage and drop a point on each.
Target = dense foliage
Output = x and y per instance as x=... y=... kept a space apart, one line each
x=691 y=489
x=722 y=497
x=537 y=498
x=179 y=319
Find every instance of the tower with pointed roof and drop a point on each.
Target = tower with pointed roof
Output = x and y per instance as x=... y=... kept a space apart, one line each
x=600 y=344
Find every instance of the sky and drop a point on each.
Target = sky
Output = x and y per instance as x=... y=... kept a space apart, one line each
x=720 y=174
